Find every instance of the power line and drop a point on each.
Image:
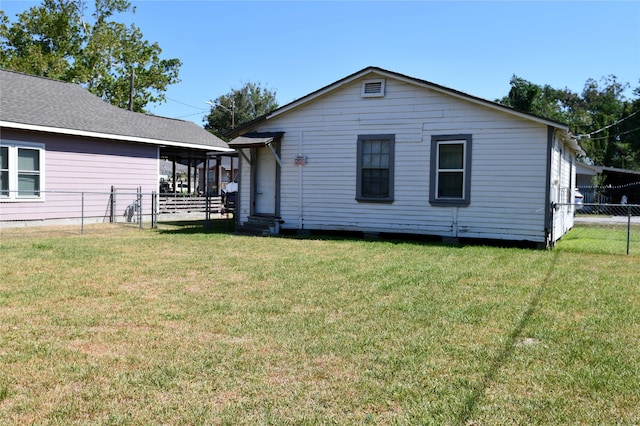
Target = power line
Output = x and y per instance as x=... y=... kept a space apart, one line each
x=182 y=103
x=617 y=134
x=610 y=125
x=191 y=115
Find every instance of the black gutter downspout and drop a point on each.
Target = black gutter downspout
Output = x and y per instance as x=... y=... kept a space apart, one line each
x=548 y=225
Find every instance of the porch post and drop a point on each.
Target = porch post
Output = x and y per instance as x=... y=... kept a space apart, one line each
x=273 y=151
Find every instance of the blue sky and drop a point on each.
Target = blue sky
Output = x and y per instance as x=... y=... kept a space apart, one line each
x=297 y=47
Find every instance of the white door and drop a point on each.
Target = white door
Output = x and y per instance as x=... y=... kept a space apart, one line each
x=265 y=195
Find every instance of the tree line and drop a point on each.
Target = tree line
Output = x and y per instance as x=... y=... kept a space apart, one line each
x=606 y=123
x=60 y=39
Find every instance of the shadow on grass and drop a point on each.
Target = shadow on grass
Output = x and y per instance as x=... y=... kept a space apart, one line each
x=227 y=226
x=506 y=351
x=412 y=239
x=213 y=226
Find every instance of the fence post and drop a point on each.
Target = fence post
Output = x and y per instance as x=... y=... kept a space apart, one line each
x=82 y=214
x=154 y=209
x=628 y=229
x=139 y=197
x=112 y=205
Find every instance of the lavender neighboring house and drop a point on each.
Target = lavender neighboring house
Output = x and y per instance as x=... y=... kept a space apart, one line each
x=57 y=137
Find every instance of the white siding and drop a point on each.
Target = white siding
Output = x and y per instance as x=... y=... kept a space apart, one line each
x=509 y=160
x=562 y=184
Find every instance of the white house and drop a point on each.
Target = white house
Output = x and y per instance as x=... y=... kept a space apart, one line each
x=380 y=152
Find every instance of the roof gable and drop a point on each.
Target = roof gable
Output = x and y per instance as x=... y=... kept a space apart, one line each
x=379 y=72
x=36 y=103
x=375 y=72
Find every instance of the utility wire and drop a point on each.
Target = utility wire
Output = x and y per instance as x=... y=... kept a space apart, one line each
x=191 y=115
x=610 y=125
x=617 y=134
x=182 y=103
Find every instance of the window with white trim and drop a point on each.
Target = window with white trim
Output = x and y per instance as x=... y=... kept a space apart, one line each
x=375 y=166
x=450 y=182
x=21 y=170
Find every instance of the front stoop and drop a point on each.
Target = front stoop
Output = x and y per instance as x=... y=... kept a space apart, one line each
x=260 y=225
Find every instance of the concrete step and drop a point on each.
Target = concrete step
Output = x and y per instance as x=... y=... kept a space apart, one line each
x=260 y=225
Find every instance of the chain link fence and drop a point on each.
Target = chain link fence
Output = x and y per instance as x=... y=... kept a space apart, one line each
x=123 y=206
x=127 y=206
x=598 y=227
x=604 y=228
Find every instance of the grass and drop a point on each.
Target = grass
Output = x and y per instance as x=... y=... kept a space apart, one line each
x=602 y=238
x=180 y=326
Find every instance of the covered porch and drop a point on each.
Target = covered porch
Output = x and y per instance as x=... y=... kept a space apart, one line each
x=194 y=181
x=259 y=206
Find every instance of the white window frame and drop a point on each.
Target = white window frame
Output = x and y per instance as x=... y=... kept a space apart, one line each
x=14 y=172
x=436 y=142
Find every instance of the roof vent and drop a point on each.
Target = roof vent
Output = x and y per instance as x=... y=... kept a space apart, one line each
x=372 y=88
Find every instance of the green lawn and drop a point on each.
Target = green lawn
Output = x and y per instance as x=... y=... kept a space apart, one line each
x=602 y=238
x=178 y=326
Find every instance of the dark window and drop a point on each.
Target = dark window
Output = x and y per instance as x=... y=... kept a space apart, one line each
x=375 y=168
x=4 y=171
x=450 y=170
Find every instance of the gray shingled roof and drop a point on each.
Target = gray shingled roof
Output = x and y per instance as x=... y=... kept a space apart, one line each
x=29 y=101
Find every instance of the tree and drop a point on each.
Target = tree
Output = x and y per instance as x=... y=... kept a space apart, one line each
x=44 y=41
x=238 y=107
x=605 y=106
x=628 y=132
x=543 y=101
x=55 y=40
x=601 y=116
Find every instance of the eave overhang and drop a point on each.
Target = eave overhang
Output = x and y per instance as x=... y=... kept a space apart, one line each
x=109 y=136
x=255 y=140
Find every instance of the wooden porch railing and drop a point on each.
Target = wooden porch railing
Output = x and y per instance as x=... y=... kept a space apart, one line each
x=188 y=203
